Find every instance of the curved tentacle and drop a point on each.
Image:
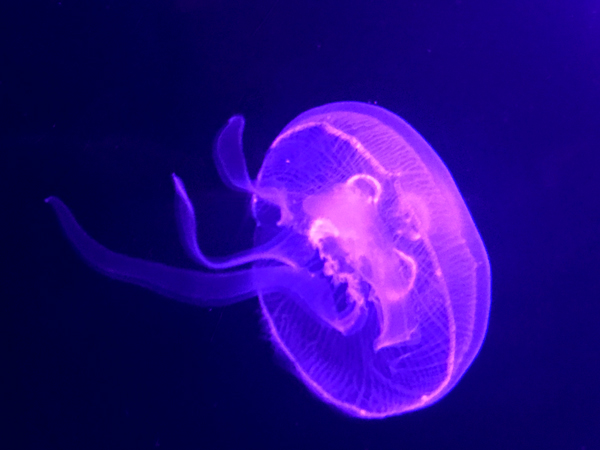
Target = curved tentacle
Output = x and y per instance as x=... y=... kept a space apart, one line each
x=186 y=219
x=190 y=286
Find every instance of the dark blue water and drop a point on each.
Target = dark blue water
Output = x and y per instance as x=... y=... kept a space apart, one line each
x=101 y=101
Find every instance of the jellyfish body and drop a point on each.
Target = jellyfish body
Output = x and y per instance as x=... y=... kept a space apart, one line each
x=370 y=272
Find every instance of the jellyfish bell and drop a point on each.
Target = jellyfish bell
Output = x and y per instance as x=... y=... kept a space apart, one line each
x=369 y=270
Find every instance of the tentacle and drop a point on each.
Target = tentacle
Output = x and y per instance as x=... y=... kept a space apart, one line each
x=186 y=219
x=199 y=288
x=229 y=156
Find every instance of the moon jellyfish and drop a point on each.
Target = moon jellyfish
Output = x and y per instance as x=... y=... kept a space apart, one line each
x=369 y=270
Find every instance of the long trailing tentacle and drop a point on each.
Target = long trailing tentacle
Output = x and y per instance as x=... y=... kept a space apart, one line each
x=199 y=288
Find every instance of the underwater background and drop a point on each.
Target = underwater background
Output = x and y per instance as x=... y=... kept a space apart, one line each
x=100 y=101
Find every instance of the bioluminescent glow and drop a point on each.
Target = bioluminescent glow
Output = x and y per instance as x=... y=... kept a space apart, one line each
x=369 y=270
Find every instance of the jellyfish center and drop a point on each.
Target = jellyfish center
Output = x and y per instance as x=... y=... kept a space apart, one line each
x=346 y=229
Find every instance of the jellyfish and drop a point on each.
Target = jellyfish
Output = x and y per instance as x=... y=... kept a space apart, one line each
x=370 y=272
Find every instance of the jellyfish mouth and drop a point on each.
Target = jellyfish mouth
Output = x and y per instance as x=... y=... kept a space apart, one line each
x=347 y=229
x=347 y=311
x=359 y=272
